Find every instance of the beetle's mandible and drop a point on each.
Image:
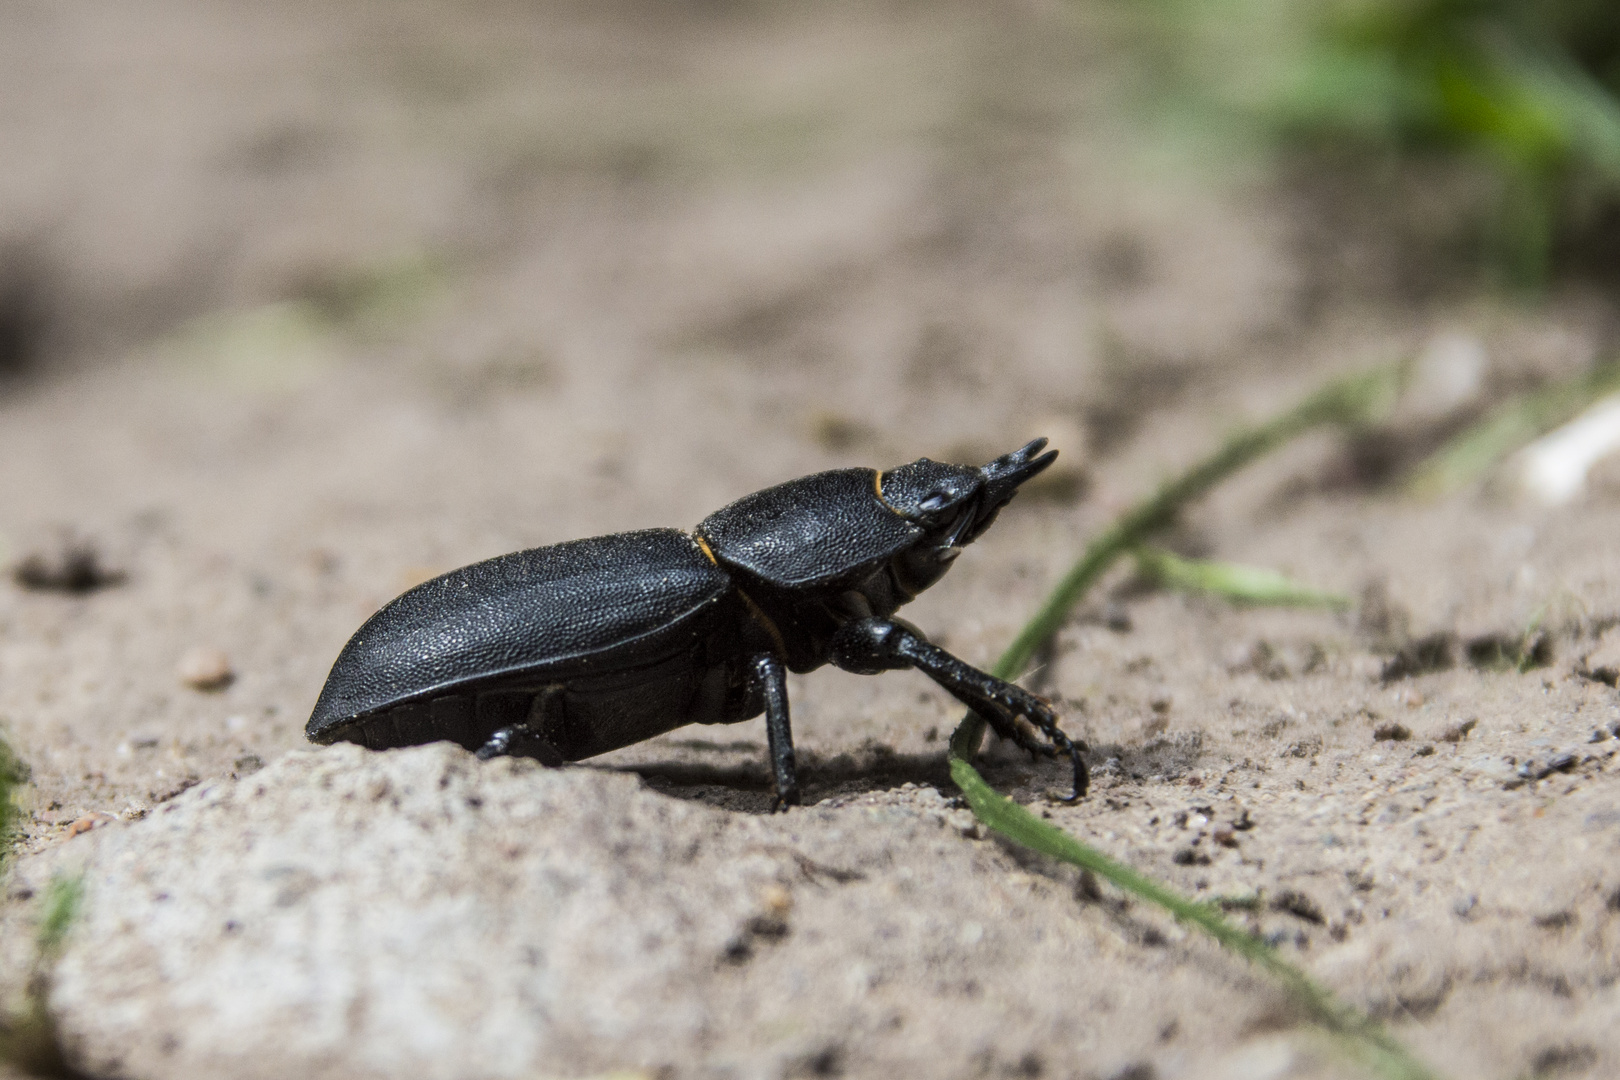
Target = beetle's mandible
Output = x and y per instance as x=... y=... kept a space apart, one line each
x=564 y=652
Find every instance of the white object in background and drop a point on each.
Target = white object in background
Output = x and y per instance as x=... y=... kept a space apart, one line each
x=1555 y=465
x=1450 y=373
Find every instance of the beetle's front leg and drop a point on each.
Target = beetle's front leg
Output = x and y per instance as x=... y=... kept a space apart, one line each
x=770 y=678
x=868 y=646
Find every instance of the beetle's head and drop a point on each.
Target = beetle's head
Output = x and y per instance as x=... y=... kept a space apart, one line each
x=954 y=505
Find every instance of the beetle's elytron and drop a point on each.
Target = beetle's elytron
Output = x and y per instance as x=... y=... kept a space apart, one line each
x=563 y=652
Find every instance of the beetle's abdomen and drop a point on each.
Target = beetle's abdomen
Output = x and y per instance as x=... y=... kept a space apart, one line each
x=581 y=716
x=604 y=605
x=452 y=717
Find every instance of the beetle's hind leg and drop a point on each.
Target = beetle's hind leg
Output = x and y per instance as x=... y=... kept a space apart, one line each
x=867 y=646
x=525 y=739
x=518 y=740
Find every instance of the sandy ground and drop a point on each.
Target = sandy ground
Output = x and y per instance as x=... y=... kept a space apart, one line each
x=316 y=303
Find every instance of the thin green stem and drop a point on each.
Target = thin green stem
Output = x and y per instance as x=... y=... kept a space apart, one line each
x=1369 y=1040
x=1346 y=402
x=1352 y=401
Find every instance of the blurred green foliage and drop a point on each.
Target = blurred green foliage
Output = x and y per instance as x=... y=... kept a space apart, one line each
x=13 y=773
x=63 y=898
x=1529 y=90
x=30 y=1043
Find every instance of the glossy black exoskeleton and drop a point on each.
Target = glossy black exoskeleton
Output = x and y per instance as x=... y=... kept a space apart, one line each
x=564 y=652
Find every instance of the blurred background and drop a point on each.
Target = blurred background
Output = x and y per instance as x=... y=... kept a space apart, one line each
x=947 y=213
x=883 y=209
x=302 y=303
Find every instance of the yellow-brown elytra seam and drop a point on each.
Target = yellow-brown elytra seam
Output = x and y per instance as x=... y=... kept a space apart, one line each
x=754 y=610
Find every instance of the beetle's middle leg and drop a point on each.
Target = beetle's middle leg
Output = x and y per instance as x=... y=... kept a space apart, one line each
x=770 y=678
x=868 y=646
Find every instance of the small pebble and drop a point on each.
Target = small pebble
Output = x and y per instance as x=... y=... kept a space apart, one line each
x=1459 y=732
x=776 y=900
x=1540 y=770
x=93 y=820
x=1411 y=698
x=1299 y=905
x=204 y=668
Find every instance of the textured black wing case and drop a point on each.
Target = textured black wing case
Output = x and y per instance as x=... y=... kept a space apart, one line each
x=547 y=608
x=819 y=530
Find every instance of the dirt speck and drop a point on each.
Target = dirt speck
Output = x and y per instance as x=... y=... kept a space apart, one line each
x=74 y=566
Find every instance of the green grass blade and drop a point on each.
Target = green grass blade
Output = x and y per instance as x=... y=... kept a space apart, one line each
x=1349 y=402
x=1361 y=1036
x=1352 y=401
x=1239 y=584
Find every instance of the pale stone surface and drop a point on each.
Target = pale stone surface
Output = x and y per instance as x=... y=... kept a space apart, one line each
x=343 y=913
x=417 y=912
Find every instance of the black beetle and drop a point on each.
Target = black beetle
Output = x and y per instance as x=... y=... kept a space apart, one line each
x=564 y=652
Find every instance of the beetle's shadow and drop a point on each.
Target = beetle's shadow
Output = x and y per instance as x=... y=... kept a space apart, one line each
x=746 y=787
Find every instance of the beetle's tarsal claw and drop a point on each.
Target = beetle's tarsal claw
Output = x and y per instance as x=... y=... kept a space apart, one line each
x=497 y=746
x=1082 y=779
